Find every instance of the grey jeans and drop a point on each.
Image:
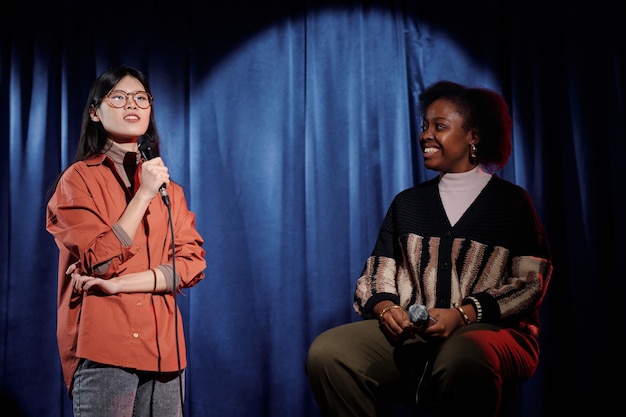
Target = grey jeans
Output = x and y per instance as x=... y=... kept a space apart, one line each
x=109 y=391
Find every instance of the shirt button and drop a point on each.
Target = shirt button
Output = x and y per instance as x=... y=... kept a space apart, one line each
x=135 y=335
x=138 y=303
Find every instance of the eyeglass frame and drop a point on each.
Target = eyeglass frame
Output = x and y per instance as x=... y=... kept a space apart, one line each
x=107 y=98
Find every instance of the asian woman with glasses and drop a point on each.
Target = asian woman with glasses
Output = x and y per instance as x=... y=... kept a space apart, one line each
x=121 y=343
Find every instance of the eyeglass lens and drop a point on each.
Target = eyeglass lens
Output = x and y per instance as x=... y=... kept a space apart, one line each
x=119 y=98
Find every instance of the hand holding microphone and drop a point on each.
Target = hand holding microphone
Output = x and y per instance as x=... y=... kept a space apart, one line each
x=418 y=314
x=406 y=323
x=147 y=148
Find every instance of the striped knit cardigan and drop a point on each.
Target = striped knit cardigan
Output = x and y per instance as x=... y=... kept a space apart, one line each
x=496 y=256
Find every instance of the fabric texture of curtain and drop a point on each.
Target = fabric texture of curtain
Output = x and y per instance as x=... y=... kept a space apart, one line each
x=291 y=126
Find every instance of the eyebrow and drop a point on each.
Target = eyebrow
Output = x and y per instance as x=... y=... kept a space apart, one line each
x=438 y=119
x=124 y=91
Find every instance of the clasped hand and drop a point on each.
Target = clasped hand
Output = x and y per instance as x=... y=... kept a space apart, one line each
x=396 y=324
x=83 y=283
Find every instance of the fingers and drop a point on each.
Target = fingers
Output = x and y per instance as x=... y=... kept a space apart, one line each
x=75 y=278
x=396 y=321
x=71 y=268
x=447 y=322
x=77 y=282
x=81 y=283
x=77 y=285
x=155 y=173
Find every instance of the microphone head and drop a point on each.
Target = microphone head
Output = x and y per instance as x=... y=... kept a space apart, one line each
x=418 y=314
x=147 y=147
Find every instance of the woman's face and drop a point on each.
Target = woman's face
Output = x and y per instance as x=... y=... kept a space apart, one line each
x=444 y=142
x=127 y=123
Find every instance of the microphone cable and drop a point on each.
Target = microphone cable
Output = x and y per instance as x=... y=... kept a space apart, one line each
x=419 y=386
x=147 y=148
x=175 y=289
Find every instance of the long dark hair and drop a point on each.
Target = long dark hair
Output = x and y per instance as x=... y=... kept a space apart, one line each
x=93 y=137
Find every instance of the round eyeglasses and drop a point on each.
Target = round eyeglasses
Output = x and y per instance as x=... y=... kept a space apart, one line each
x=119 y=98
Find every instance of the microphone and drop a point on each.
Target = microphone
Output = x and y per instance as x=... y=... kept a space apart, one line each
x=146 y=146
x=418 y=314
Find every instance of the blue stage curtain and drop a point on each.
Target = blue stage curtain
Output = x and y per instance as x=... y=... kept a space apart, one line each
x=291 y=126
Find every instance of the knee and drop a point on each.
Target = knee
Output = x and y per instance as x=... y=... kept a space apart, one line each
x=466 y=362
x=320 y=354
x=461 y=370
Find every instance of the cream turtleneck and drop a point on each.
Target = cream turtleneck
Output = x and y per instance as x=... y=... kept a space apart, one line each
x=459 y=190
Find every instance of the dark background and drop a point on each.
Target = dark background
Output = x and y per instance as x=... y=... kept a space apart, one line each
x=291 y=126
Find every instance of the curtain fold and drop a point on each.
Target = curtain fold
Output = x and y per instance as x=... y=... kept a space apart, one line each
x=291 y=125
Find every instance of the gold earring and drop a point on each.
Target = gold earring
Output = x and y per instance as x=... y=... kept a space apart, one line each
x=473 y=153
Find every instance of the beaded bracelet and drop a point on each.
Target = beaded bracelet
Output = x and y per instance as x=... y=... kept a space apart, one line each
x=462 y=313
x=477 y=306
x=386 y=309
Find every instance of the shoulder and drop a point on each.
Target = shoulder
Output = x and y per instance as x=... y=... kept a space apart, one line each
x=423 y=189
x=500 y=187
x=82 y=175
x=423 y=194
x=78 y=169
x=79 y=166
x=509 y=196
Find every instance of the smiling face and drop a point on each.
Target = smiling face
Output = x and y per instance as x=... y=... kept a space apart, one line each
x=125 y=124
x=444 y=141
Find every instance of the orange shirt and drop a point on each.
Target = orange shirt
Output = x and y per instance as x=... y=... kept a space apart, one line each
x=135 y=330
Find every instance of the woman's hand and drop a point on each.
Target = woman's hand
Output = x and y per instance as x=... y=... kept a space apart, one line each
x=84 y=283
x=154 y=174
x=448 y=320
x=394 y=320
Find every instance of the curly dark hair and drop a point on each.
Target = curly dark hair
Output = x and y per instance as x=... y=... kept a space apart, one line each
x=484 y=111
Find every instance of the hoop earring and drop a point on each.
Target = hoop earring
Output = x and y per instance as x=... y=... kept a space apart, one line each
x=473 y=154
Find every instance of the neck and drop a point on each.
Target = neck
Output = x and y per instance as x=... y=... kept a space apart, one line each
x=127 y=146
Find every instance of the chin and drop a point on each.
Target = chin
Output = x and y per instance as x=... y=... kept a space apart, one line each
x=430 y=165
